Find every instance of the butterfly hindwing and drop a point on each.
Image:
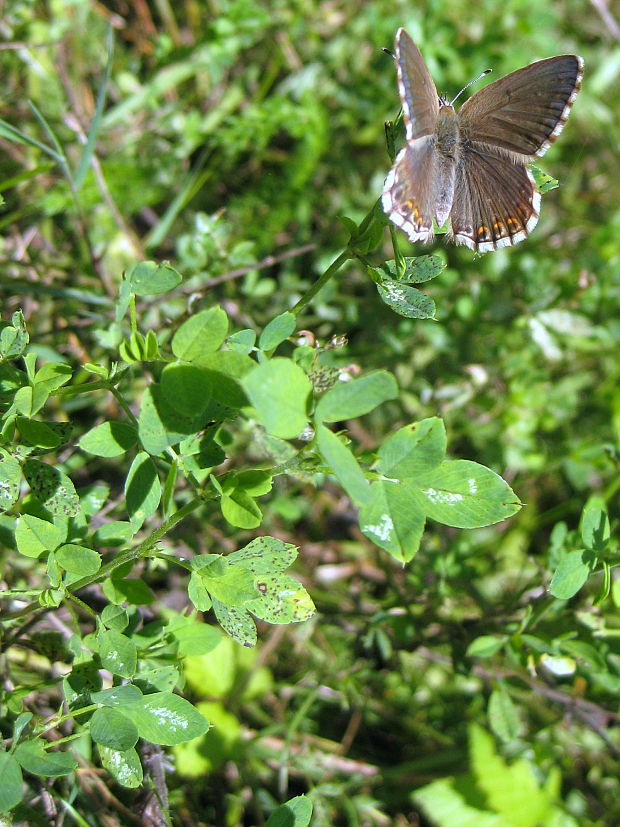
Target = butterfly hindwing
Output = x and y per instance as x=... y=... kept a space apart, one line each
x=496 y=203
x=408 y=195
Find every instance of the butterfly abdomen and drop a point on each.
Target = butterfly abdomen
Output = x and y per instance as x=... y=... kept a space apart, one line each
x=447 y=146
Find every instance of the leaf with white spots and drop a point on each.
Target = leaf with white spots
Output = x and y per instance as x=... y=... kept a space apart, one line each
x=165 y=718
x=416 y=270
x=465 y=494
x=283 y=600
x=124 y=766
x=117 y=653
x=405 y=300
x=392 y=519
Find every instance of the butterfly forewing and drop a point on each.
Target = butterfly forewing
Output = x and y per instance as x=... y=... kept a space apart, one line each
x=524 y=112
x=495 y=201
x=418 y=95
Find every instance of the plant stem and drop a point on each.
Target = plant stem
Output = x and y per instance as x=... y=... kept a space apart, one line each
x=322 y=281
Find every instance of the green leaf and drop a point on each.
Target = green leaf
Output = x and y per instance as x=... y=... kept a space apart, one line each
x=142 y=488
x=37 y=433
x=512 y=791
x=264 y=555
x=34 y=536
x=200 y=334
x=148 y=278
x=242 y=342
x=225 y=369
x=52 y=376
x=110 y=439
x=78 y=560
x=572 y=572
x=367 y=236
x=210 y=565
x=23 y=402
x=235 y=588
x=392 y=520
x=117 y=653
x=127 y=589
x=196 y=638
x=342 y=465
x=348 y=400
x=503 y=716
x=203 y=756
x=277 y=331
x=114 y=617
x=240 y=510
x=110 y=728
x=113 y=534
x=13 y=337
x=160 y=424
x=413 y=450
x=236 y=622
x=186 y=388
x=405 y=300
x=254 y=482
x=33 y=758
x=10 y=783
x=279 y=391
x=544 y=182
x=486 y=646
x=465 y=494
x=20 y=724
x=595 y=528
x=198 y=593
x=117 y=695
x=52 y=488
x=166 y=719
x=10 y=480
x=417 y=270
x=444 y=802
x=124 y=767
x=282 y=600
x=93 y=498
x=297 y=812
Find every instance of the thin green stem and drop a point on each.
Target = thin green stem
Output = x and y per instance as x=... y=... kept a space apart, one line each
x=139 y=551
x=322 y=281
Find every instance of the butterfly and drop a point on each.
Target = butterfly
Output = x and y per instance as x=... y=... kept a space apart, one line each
x=471 y=166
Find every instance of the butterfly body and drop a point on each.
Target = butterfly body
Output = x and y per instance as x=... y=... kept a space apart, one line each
x=447 y=144
x=470 y=165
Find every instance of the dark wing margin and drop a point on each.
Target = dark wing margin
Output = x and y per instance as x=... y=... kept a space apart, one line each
x=524 y=112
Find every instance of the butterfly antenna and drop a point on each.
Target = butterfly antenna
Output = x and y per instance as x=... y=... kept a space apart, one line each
x=387 y=51
x=471 y=82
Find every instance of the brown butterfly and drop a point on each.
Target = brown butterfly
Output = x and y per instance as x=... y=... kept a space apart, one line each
x=470 y=166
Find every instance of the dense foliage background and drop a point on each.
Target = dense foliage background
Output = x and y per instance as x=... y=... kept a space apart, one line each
x=237 y=132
